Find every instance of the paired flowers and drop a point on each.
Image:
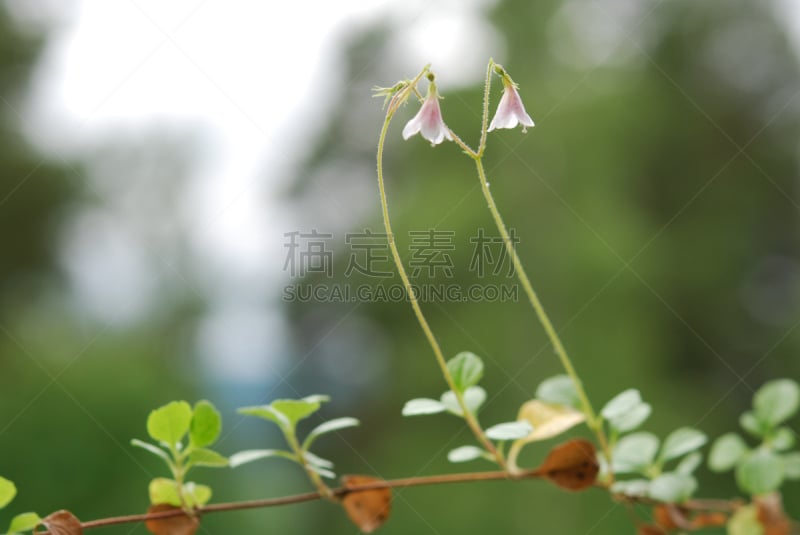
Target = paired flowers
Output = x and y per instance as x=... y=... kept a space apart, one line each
x=429 y=124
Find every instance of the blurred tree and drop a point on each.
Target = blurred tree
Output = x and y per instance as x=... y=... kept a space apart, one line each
x=34 y=191
x=656 y=203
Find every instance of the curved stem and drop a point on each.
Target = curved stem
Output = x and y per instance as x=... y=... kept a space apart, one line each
x=595 y=423
x=469 y=417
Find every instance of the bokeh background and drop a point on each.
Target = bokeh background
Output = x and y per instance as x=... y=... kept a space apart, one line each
x=157 y=157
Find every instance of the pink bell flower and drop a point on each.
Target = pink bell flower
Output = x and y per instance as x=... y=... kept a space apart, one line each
x=510 y=111
x=428 y=121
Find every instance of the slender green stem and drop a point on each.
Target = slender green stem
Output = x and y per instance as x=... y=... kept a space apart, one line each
x=469 y=417
x=316 y=480
x=595 y=423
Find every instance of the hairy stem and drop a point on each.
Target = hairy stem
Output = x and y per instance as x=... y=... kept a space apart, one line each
x=469 y=417
x=595 y=423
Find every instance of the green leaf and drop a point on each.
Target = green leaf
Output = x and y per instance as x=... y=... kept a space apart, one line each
x=416 y=407
x=689 y=464
x=266 y=412
x=329 y=427
x=509 y=430
x=152 y=448
x=783 y=439
x=465 y=453
x=324 y=472
x=248 y=456
x=621 y=404
x=169 y=423
x=791 y=465
x=205 y=457
x=317 y=460
x=726 y=452
x=206 y=424
x=753 y=425
x=7 y=491
x=474 y=397
x=298 y=409
x=672 y=487
x=163 y=490
x=631 y=487
x=777 y=401
x=760 y=472
x=634 y=453
x=196 y=495
x=632 y=419
x=680 y=442
x=24 y=522
x=466 y=369
x=744 y=521
x=559 y=389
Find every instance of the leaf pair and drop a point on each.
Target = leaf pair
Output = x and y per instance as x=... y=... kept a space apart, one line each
x=762 y=470
x=626 y=411
x=286 y=414
x=639 y=453
x=466 y=370
x=183 y=434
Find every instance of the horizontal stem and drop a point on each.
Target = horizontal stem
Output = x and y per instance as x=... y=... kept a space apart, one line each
x=339 y=492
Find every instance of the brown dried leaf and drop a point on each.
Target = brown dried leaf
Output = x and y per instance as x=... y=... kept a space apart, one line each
x=368 y=509
x=571 y=465
x=62 y=523
x=174 y=525
x=771 y=515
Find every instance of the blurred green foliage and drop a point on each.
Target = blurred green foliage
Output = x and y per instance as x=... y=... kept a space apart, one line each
x=656 y=203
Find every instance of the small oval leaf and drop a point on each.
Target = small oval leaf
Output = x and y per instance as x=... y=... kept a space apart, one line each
x=466 y=369
x=419 y=406
x=634 y=453
x=465 y=453
x=726 y=452
x=760 y=472
x=7 y=491
x=329 y=427
x=777 y=401
x=24 y=522
x=672 y=487
x=474 y=397
x=632 y=419
x=170 y=422
x=368 y=509
x=559 y=389
x=509 y=430
x=164 y=491
x=248 y=456
x=205 y=457
x=680 y=442
x=206 y=424
x=621 y=403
